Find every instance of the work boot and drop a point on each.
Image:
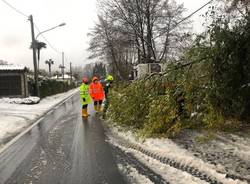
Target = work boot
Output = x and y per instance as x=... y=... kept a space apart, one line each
x=96 y=108
x=85 y=113
x=99 y=109
x=82 y=112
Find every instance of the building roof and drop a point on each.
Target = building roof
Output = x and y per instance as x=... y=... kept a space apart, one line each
x=66 y=76
x=12 y=68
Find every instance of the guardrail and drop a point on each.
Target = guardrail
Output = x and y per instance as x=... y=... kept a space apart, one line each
x=14 y=152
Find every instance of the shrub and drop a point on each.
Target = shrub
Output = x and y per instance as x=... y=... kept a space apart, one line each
x=50 y=87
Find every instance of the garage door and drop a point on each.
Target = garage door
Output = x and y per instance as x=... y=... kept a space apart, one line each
x=10 y=85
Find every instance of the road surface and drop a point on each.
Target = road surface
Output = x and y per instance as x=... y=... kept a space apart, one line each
x=64 y=148
x=70 y=150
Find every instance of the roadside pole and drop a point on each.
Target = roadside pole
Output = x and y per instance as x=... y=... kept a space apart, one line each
x=70 y=72
x=63 y=71
x=63 y=66
x=37 y=92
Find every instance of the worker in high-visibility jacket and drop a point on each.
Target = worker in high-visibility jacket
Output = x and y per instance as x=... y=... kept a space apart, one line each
x=85 y=97
x=107 y=85
x=97 y=93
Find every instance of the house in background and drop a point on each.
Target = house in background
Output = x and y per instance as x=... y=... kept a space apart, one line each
x=67 y=78
x=13 y=81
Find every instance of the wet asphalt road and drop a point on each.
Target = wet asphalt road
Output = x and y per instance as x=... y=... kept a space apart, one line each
x=65 y=149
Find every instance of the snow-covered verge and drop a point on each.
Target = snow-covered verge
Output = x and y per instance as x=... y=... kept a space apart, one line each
x=167 y=148
x=229 y=151
x=14 y=118
x=28 y=100
x=133 y=176
x=169 y=174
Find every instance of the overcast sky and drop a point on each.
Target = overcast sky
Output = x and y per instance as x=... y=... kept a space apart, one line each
x=79 y=16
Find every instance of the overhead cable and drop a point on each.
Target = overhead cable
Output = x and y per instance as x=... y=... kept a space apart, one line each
x=15 y=9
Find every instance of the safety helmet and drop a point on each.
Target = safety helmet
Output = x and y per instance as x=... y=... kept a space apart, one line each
x=94 y=78
x=85 y=80
x=110 y=78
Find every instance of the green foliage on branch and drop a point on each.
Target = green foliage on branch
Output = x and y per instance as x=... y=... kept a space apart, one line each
x=210 y=91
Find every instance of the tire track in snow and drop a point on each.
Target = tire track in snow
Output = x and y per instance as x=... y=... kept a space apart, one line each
x=127 y=159
x=229 y=153
x=195 y=172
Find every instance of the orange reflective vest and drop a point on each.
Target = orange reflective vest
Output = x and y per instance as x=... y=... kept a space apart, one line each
x=96 y=91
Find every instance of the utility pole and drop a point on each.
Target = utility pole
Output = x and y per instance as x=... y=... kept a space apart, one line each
x=63 y=65
x=37 y=92
x=70 y=72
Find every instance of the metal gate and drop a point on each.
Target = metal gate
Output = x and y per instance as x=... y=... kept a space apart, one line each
x=10 y=85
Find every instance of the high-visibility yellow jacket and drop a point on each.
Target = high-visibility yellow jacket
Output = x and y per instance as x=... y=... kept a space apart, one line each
x=84 y=94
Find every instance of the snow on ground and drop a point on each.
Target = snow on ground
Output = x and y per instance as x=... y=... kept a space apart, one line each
x=14 y=118
x=29 y=100
x=166 y=147
x=133 y=175
x=228 y=151
x=239 y=145
x=168 y=173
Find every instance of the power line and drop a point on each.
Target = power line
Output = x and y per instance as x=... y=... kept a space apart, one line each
x=15 y=9
x=23 y=14
x=192 y=13
x=185 y=18
x=47 y=41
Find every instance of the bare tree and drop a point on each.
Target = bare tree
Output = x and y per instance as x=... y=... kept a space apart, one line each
x=138 y=31
x=110 y=44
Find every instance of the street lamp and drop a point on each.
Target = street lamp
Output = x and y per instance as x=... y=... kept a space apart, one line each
x=60 y=25
x=37 y=42
x=34 y=48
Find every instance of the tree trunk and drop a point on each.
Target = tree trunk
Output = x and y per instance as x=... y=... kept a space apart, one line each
x=49 y=70
x=38 y=58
